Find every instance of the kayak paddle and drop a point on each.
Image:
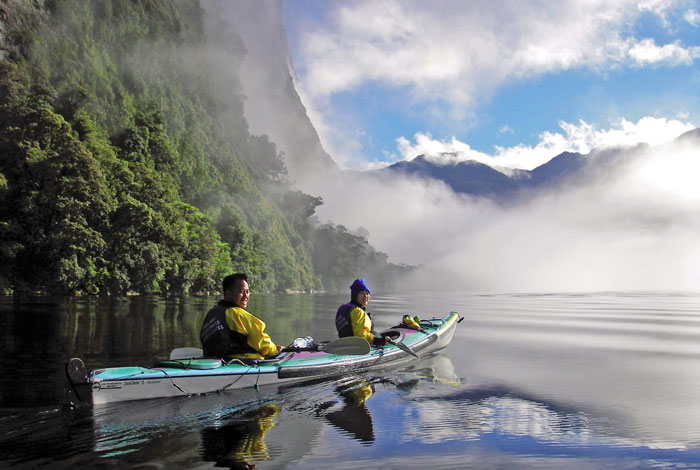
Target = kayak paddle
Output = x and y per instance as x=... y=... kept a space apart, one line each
x=402 y=346
x=350 y=345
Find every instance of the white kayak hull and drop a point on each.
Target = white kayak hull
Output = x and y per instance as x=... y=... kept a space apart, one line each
x=201 y=376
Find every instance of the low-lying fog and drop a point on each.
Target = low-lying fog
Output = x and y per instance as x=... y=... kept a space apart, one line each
x=632 y=225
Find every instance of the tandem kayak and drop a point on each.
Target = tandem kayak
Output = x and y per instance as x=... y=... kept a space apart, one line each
x=192 y=375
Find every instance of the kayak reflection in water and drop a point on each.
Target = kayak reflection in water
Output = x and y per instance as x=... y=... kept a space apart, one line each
x=354 y=417
x=236 y=445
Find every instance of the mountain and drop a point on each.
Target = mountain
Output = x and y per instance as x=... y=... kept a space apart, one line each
x=480 y=180
x=466 y=177
x=690 y=137
x=564 y=165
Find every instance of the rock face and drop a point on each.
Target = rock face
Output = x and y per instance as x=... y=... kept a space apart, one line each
x=273 y=106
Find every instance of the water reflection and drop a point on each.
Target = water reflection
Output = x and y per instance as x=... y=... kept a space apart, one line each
x=31 y=436
x=349 y=411
x=472 y=414
x=247 y=427
x=125 y=427
x=40 y=334
x=234 y=445
x=616 y=388
x=350 y=414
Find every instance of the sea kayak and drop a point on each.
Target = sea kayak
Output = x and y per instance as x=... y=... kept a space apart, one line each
x=192 y=376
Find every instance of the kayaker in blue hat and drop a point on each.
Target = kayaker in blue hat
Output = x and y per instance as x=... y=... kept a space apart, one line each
x=229 y=331
x=353 y=319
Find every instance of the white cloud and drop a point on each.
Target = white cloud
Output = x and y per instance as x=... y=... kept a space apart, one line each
x=447 y=57
x=451 y=51
x=438 y=151
x=692 y=17
x=646 y=52
x=649 y=130
x=581 y=137
x=657 y=7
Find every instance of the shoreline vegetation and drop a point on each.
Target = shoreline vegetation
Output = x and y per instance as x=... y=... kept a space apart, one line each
x=127 y=166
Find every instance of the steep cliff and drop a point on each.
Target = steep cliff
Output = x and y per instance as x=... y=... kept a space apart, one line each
x=272 y=105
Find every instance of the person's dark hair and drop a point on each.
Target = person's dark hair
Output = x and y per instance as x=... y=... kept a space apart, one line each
x=231 y=280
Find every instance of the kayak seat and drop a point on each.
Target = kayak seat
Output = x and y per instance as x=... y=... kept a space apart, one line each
x=396 y=335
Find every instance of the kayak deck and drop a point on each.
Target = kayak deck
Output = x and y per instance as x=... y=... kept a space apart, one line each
x=198 y=376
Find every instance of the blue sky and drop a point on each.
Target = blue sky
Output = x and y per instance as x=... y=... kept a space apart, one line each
x=511 y=84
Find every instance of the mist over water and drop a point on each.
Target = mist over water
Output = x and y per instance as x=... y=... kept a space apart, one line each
x=629 y=223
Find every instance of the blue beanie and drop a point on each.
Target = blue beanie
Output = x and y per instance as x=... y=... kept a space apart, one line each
x=358 y=286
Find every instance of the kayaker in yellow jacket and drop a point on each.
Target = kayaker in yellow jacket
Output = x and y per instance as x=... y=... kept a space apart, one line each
x=353 y=319
x=229 y=331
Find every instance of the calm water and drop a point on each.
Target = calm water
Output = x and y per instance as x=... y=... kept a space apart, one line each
x=605 y=380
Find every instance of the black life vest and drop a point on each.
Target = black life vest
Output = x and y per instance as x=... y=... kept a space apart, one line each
x=342 y=320
x=218 y=340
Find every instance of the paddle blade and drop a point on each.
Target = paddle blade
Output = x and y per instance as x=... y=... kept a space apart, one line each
x=185 y=353
x=351 y=345
x=404 y=348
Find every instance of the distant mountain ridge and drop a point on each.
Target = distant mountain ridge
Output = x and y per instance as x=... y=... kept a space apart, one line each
x=480 y=180
x=467 y=177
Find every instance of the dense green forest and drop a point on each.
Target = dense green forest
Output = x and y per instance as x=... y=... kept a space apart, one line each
x=126 y=164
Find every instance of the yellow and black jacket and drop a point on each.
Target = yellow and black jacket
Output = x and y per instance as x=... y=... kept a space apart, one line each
x=353 y=320
x=230 y=331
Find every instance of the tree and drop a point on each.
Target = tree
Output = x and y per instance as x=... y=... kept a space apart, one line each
x=55 y=203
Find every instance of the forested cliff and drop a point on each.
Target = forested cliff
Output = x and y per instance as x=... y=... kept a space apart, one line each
x=126 y=163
